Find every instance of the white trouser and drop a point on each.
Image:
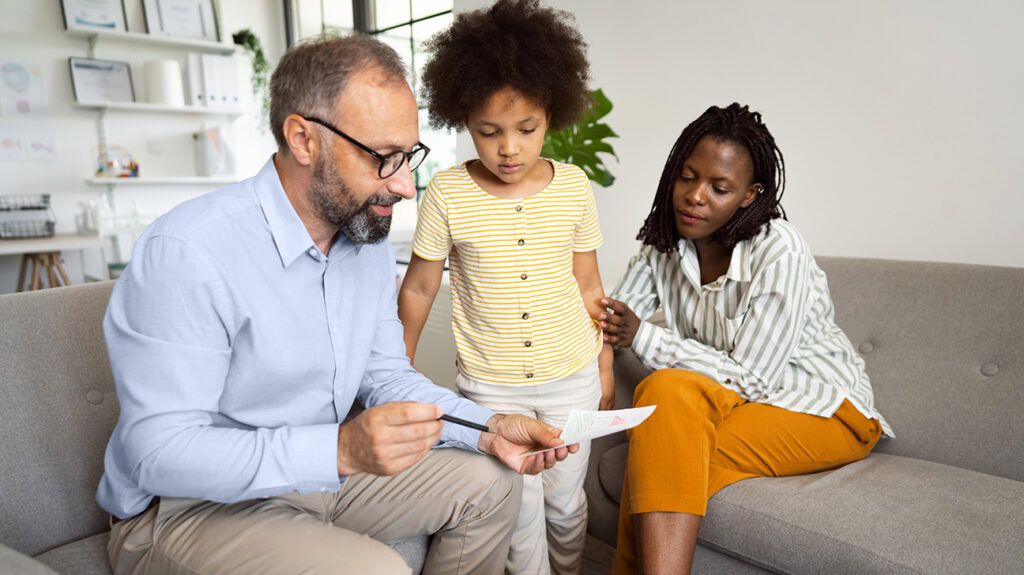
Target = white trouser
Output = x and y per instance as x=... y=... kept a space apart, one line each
x=555 y=495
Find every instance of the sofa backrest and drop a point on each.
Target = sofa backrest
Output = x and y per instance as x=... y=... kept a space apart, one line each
x=57 y=411
x=944 y=347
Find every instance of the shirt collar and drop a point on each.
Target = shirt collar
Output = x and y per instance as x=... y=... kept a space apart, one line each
x=739 y=265
x=289 y=233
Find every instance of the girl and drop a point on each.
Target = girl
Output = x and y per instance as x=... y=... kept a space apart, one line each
x=754 y=377
x=519 y=232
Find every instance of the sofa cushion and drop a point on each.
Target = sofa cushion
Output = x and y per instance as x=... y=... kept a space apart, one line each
x=58 y=411
x=83 y=557
x=943 y=347
x=89 y=556
x=885 y=514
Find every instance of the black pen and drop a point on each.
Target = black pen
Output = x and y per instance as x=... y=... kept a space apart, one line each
x=470 y=424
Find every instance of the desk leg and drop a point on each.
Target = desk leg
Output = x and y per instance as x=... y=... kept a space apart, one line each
x=36 y=264
x=60 y=269
x=51 y=269
x=22 y=271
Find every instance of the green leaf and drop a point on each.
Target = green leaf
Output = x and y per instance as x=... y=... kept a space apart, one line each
x=580 y=144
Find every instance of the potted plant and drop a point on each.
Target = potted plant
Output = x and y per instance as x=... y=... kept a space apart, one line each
x=581 y=143
x=260 y=68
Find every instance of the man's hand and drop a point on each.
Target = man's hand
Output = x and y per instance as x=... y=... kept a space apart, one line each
x=388 y=439
x=515 y=435
x=618 y=323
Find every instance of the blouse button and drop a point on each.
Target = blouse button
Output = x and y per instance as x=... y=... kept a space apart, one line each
x=522 y=277
x=526 y=316
x=529 y=375
x=521 y=242
x=519 y=208
x=527 y=343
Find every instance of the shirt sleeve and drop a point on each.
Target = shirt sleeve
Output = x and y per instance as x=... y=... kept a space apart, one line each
x=766 y=335
x=168 y=335
x=588 y=230
x=390 y=377
x=638 y=289
x=433 y=239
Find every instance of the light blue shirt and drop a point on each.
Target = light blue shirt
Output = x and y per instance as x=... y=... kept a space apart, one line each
x=237 y=347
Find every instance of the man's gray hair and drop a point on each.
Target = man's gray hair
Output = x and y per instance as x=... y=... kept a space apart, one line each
x=311 y=75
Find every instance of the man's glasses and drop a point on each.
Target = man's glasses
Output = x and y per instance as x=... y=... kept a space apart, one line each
x=389 y=163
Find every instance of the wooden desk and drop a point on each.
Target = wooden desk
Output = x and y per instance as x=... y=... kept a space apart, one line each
x=39 y=254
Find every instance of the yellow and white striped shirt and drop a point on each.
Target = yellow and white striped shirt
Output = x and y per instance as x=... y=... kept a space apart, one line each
x=517 y=312
x=766 y=329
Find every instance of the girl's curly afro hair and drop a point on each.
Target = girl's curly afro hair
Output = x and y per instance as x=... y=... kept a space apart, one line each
x=515 y=43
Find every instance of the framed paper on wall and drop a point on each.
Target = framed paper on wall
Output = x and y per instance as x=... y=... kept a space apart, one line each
x=195 y=19
x=95 y=14
x=98 y=81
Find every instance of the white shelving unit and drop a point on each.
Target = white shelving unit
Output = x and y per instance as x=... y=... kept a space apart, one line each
x=163 y=181
x=146 y=107
x=113 y=229
x=95 y=36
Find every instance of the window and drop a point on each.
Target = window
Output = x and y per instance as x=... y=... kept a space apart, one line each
x=404 y=25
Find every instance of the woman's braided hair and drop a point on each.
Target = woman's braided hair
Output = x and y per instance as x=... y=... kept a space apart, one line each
x=738 y=125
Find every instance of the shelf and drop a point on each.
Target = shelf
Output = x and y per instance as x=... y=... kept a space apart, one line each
x=57 y=243
x=160 y=108
x=164 y=181
x=140 y=38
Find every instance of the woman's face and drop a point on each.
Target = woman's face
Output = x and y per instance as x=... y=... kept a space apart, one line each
x=715 y=182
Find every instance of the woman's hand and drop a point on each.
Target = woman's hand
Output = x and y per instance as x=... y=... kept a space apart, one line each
x=618 y=323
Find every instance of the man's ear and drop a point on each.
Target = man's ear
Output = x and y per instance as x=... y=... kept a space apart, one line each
x=751 y=195
x=302 y=141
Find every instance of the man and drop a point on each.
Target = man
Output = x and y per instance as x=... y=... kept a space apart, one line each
x=249 y=321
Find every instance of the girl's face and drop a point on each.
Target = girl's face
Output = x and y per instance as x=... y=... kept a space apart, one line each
x=508 y=132
x=715 y=182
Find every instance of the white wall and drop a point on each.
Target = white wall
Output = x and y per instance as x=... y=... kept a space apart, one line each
x=900 y=121
x=32 y=32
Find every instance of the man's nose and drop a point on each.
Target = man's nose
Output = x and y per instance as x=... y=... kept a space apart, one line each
x=401 y=183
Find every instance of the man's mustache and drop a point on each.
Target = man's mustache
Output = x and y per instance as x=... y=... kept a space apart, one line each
x=388 y=200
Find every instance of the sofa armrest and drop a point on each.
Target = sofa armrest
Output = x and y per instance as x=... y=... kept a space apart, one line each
x=13 y=562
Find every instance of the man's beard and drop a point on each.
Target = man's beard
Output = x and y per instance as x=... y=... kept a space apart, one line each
x=336 y=204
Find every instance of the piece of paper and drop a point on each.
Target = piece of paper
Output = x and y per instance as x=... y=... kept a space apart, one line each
x=21 y=89
x=583 y=425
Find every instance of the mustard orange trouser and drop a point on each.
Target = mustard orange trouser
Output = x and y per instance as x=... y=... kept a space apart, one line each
x=703 y=437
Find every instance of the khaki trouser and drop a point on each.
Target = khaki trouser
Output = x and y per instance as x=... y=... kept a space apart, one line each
x=552 y=526
x=468 y=501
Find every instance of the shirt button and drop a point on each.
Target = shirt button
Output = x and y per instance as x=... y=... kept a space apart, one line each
x=521 y=242
x=526 y=316
x=519 y=208
x=522 y=277
x=527 y=343
x=529 y=375
x=728 y=381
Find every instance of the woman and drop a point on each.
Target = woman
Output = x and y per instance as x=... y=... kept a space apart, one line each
x=754 y=378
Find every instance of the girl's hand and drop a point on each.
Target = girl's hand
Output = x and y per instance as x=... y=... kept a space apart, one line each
x=618 y=323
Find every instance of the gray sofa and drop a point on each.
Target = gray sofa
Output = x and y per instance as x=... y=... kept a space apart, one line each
x=944 y=346
x=57 y=411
